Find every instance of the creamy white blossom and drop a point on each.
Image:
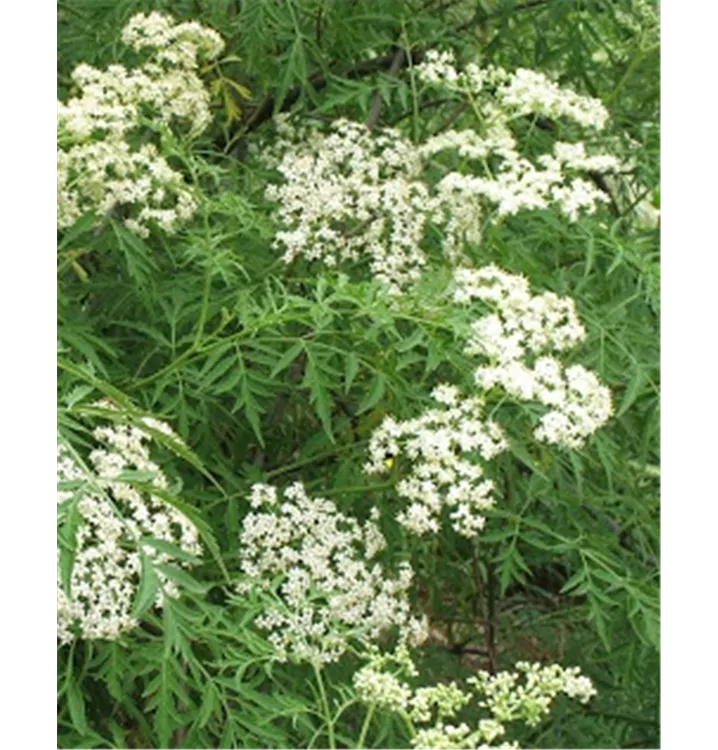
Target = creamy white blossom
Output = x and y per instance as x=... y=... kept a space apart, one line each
x=525 y=694
x=115 y=521
x=320 y=565
x=98 y=168
x=514 y=341
x=510 y=699
x=444 y=449
x=348 y=194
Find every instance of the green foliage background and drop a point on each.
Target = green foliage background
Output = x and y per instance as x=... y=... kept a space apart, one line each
x=280 y=373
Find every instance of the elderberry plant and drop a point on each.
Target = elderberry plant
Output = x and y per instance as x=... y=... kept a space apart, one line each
x=389 y=270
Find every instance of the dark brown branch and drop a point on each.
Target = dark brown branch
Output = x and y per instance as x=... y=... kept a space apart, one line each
x=491 y=615
x=295 y=375
x=396 y=65
x=318 y=32
x=597 y=178
x=319 y=81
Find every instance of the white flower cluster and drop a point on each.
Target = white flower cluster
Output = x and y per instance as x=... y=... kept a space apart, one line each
x=530 y=92
x=519 y=93
x=499 y=97
x=97 y=167
x=508 y=700
x=116 y=518
x=331 y=591
x=442 y=445
x=523 y=327
x=350 y=194
x=501 y=694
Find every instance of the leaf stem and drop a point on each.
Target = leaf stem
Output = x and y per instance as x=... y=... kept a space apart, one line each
x=325 y=706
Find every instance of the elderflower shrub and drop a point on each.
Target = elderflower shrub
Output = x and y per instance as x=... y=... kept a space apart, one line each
x=103 y=160
x=525 y=694
x=320 y=564
x=442 y=446
x=521 y=329
x=114 y=525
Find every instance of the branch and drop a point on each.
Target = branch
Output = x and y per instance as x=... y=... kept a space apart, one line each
x=265 y=111
x=295 y=375
x=396 y=65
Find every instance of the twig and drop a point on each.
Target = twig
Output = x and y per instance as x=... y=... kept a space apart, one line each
x=295 y=375
x=319 y=81
x=491 y=616
x=396 y=65
x=319 y=24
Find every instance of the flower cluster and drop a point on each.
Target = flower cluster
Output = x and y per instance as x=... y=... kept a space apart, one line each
x=508 y=700
x=349 y=194
x=513 y=338
x=116 y=519
x=502 y=695
x=499 y=97
x=320 y=565
x=519 y=93
x=442 y=446
x=98 y=169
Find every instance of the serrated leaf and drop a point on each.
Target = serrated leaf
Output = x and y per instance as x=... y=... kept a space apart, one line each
x=519 y=450
x=287 y=358
x=295 y=69
x=243 y=91
x=210 y=702
x=351 y=368
x=573 y=582
x=148 y=588
x=82 y=225
x=320 y=396
x=633 y=391
x=374 y=396
x=76 y=704
x=184 y=579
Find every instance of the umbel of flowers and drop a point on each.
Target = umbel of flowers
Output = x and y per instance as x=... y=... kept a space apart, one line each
x=445 y=449
x=105 y=159
x=114 y=520
x=347 y=194
x=319 y=566
x=524 y=694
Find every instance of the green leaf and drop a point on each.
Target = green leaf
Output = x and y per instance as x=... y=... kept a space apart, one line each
x=351 y=368
x=148 y=588
x=295 y=70
x=573 y=582
x=76 y=704
x=287 y=358
x=184 y=579
x=210 y=703
x=80 y=227
x=319 y=393
x=633 y=391
x=374 y=396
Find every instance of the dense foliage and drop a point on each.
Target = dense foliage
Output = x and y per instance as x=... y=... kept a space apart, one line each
x=358 y=379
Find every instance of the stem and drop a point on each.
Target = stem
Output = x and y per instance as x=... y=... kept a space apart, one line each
x=205 y=306
x=325 y=706
x=491 y=615
x=365 y=727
